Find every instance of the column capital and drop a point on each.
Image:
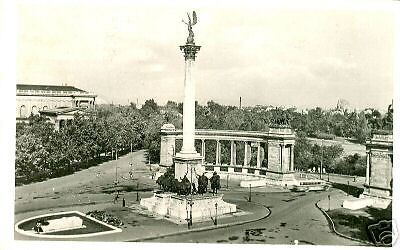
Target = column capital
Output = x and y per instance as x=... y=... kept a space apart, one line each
x=190 y=51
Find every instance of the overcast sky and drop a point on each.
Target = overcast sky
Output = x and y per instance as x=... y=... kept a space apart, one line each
x=267 y=54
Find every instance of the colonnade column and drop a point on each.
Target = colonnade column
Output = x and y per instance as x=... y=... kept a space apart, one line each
x=368 y=168
x=281 y=156
x=258 y=155
x=245 y=154
x=291 y=166
x=233 y=153
x=218 y=153
x=203 y=151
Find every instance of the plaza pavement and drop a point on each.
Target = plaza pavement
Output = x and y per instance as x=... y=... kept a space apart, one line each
x=84 y=191
x=293 y=215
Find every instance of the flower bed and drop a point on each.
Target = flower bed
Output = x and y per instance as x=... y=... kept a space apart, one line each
x=107 y=218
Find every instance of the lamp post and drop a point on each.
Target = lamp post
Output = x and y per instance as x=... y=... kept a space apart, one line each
x=329 y=202
x=187 y=215
x=116 y=167
x=322 y=156
x=190 y=213
x=137 y=191
x=131 y=153
x=191 y=180
x=250 y=193
x=216 y=214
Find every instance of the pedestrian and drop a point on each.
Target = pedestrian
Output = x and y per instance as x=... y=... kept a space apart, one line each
x=123 y=202
x=116 y=197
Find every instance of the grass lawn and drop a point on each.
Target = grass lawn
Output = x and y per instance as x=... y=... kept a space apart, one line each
x=354 y=223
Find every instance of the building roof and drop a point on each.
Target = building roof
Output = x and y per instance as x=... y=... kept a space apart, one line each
x=48 y=88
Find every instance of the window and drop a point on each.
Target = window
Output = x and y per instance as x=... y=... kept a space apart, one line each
x=225 y=169
x=237 y=170
x=22 y=111
x=35 y=110
x=209 y=168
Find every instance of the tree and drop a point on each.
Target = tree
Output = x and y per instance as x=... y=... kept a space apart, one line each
x=302 y=152
x=30 y=157
x=150 y=107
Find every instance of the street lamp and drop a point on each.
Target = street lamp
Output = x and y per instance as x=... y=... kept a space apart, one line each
x=329 y=202
x=250 y=193
x=137 y=191
x=116 y=167
x=216 y=213
x=322 y=156
x=190 y=213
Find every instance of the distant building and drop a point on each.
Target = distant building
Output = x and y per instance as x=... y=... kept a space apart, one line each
x=342 y=105
x=31 y=99
x=61 y=117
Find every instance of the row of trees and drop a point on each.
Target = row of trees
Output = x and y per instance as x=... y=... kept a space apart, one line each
x=42 y=152
x=310 y=156
x=92 y=137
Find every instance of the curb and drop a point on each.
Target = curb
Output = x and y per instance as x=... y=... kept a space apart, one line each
x=204 y=228
x=333 y=228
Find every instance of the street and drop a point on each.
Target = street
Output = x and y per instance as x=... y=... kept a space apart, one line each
x=294 y=216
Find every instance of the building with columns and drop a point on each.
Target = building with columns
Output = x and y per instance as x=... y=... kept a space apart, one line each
x=379 y=173
x=378 y=186
x=31 y=99
x=273 y=151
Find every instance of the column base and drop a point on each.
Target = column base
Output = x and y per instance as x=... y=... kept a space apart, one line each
x=189 y=165
x=188 y=155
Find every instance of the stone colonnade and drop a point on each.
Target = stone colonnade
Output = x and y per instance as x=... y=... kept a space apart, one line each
x=275 y=147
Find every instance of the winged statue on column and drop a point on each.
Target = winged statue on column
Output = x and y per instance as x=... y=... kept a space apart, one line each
x=192 y=21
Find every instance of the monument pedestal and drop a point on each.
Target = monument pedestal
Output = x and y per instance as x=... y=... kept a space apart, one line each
x=178 y=207
x=189 y=164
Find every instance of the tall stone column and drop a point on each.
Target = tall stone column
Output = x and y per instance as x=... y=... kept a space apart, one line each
x=258 y=155
x=203 y=150
x=368 y=168
x=188 y=162
x=218 y=153
x=188 y=147
x=245 y=163
x=291 y=158
x=233 y=153
x=281 y=156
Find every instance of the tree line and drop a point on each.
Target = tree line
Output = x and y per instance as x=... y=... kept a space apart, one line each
x=95 y=136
